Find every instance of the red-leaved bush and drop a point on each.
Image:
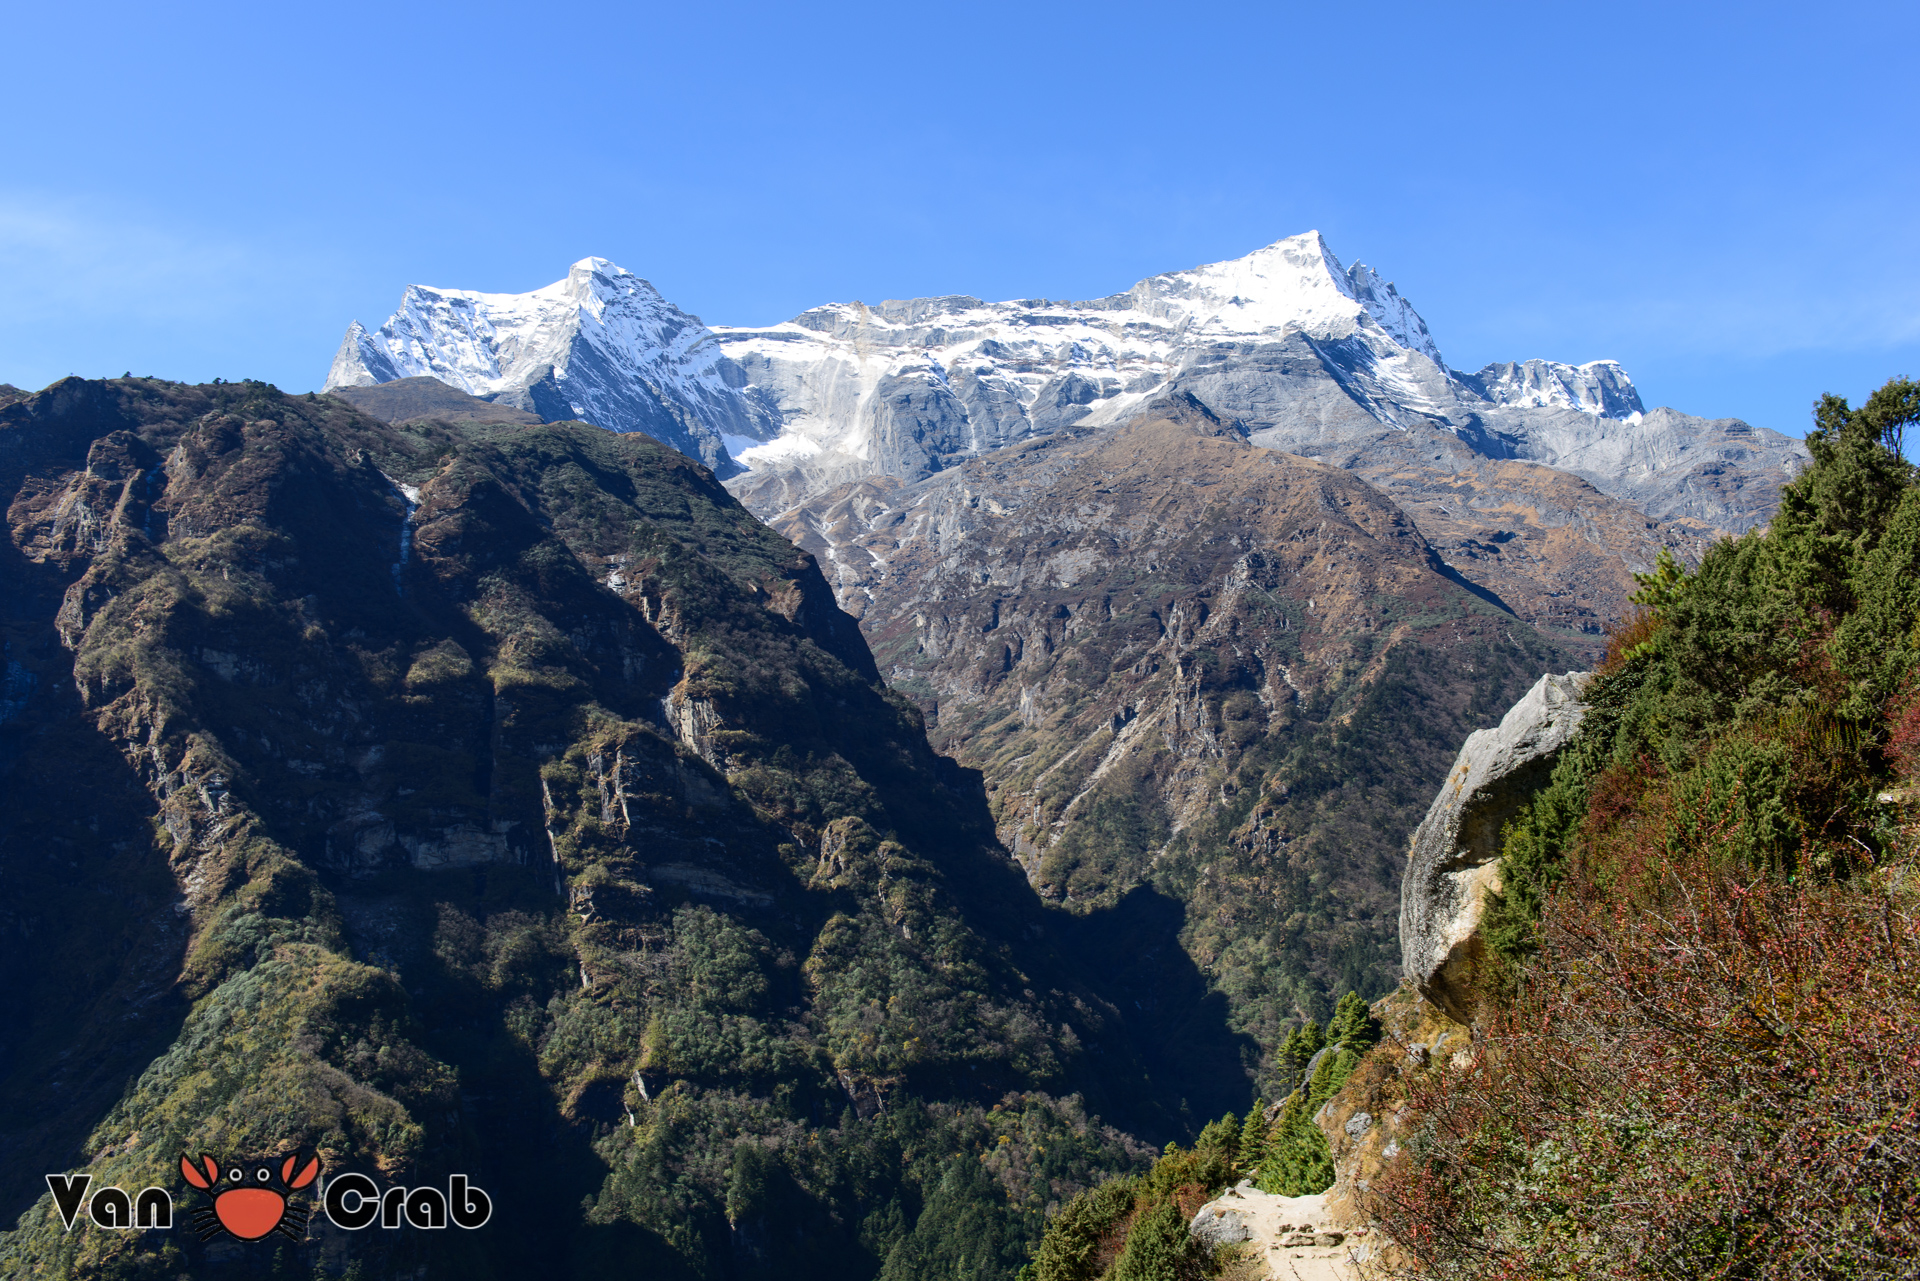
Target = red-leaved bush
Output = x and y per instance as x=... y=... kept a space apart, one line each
x=1710 y=1072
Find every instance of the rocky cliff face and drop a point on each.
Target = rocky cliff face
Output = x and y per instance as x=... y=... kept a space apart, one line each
x=1599 y=387
x=503 y=798
x=1452 y=864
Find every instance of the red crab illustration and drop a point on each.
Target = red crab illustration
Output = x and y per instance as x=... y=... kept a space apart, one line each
x=253 y=1202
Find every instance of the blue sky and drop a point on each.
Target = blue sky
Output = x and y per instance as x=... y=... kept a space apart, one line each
x=1722 y=197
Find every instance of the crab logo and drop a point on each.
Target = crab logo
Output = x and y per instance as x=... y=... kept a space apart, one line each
x=250 y=1202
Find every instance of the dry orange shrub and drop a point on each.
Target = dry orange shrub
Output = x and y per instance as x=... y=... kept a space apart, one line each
x=1710 y=1073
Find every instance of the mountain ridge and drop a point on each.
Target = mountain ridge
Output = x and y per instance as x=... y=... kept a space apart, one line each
x=1286 y=338
x=1184 y=661
x=601 y=344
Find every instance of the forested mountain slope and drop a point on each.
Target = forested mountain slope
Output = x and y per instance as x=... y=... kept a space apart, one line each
x=503 y=799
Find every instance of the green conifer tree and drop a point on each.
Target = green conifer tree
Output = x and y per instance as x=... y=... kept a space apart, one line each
x=1160 y=1249
x=1299 y=1048
x=1353 y=1025
x=1253 y=1139
x=1220 y=1136
x=1298 y=1161
x=1070 y=1249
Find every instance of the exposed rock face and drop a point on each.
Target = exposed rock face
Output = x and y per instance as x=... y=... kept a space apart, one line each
x=1599 y=387
x=1219 y=1225
x=1297 y=1238
x=1453 y=862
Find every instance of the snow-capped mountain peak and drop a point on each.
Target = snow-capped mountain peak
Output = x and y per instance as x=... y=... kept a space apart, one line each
x=1394 y=313
x=600 y=345
x=1296 y=282
x=1300 y=347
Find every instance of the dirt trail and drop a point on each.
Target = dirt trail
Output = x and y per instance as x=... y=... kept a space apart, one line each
x=1290 y=1236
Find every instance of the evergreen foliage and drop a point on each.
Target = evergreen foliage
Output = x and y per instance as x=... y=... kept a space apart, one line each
x=1253 y=1138
x=1287 y=1155
x=1137 y=1227
x=1294 y=1159
x=1710 y=921
x=1353 y=1026
x=1757 y=688
x=1159 y=1249
x=1071 y=1248
x=1299 y=1048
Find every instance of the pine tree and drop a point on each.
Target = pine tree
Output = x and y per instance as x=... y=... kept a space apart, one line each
x=1301 y=1045
x=1833 y=514
x=1222 y=1136
x=1353 y=1025
x=1070 y=1251
x=1253 y=1139
x=1160 y=1249
x=1297 y=1161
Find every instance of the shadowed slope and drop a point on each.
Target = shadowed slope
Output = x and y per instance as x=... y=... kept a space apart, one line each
x=505 y=799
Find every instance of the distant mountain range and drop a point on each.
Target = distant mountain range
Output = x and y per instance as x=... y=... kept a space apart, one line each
x=1311 y=356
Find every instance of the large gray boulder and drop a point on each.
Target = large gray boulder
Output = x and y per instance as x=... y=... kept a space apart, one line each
x=1216 y=1225
x=1454 y=861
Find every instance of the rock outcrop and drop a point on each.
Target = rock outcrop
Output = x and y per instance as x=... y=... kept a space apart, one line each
x=407 y=399
x=1362 y=1121
x=1453 y=863
x=1292 y=1237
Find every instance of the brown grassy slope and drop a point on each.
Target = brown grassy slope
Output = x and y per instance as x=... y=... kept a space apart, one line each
x=1181 y=658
